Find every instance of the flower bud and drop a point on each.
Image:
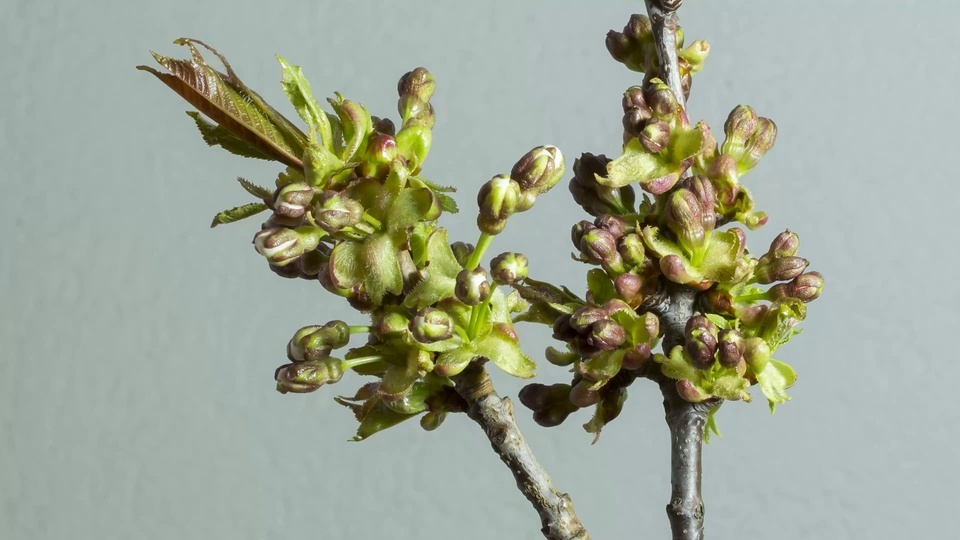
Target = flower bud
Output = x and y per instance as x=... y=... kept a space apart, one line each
x=689 y=391
x=731 y=347
x=334 y=211
x=782 y=269
x=584 y=317
x=600 y=247
x=381 y=150
x=701 y=341
x=391 y=323
x=632 y=250
x=786 y=244
x=615 y=225
x=662 y=101
x=606 y=335
x=757 y=354
x=283 y=246
x=739 y=127
x=805 y=287
x=628 y=287
x=472 y=287
x=539 y=169
x=633 y=99
x=684 y=217
x=655 y=136
x=497 y=200
x=593 y=197
x=292 y=200
x=314 y=343
x=303 y=377
x=432 y=420
x=508 y=268
x=462 y=252
x=562 y=329
x=384 y=126
x=430 y=325
x=637 y=356
x=759 y=143
x=706 y=194
x=674 y=269
x=419 y=83
x=583 y=395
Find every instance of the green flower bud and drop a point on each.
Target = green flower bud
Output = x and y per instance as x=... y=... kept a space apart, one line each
x=497 y=200
x=731 y=347
x=806 y=288
x=701 y=341
x=782 y=269
x=292 y=200
x=391 y=323
x=739 y=127
x=334 y=211
x=632 y=250
x=472 y=287
x=381 y=151
x=756 y=352
x=655 y=136
x=786 y=244
x=508 y=268
x=303 y=377
x=560 y=358
x=539 y=169
x=637 y=356
x=432 y=420
x=706 y=194
x=314 y=343
x=430 y=325
x=462 y=252
x=283 y=246
x=759 y=144
x=689 y=391
x=684 y=217
x=419 y=83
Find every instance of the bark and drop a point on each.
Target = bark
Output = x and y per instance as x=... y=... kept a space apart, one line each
x=495 y=415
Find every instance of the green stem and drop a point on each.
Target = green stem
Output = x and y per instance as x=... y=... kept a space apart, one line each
x=360 y=329
x=372 y=220
x=748 y=298
x=363 y=360
x=482 y=245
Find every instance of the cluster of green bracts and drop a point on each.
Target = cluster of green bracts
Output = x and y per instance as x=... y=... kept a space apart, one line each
x=677 y=237
x=352 y=211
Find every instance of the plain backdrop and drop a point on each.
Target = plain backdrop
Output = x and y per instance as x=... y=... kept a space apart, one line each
x=137 y=346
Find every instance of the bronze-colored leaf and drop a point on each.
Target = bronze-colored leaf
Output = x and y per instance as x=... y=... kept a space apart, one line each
x=229 y=103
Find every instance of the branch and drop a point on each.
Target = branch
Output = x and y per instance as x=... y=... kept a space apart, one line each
x=495 y=416
x=663 y=16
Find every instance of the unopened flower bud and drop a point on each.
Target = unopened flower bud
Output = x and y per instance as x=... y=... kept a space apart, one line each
x=283 y=246
x=432 y=420
x=497 y=200
x=600 y=247
x=689 y=391
x=675 y=270
x=472 y=287
x=593 y=197
x=508 y=268
x=391 y=323
x=550 y=404
x=461 y=252
x=782 y=269
x=756 y=352
x=334 y=211
x=314 y=343
x=632 y=250
x=303 y=377
x=562 y=329
x=637 y=356
x=739 y=127
x=606 y=335
x=615 y=225
x=292 y=200
x=662 y=101
x=583 y=394
x=633 y=99
x=655 y=136
x=805 y=287
x=786 y=244
x=430 y=325
x=383 y=125
x=701 y=341
x=684 y=217
x=539 y=169
x=759 y=144
x=731 y=347
x=381 y=148
x=419 y=83
x=584 y=317
x=706 y=194
x=628 y=287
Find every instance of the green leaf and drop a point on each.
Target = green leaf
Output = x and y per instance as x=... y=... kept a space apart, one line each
x=376 y=417
x=677 y=365
x=774 y=381
x=780 y=321
x=448 y=203
x=259 y=192
x=608 y=409
x=215 y=135
x=297 y=88
x=238 y=213
x=711 y=427
x=228 y=102
x=371 y=261
x=505 y=352
x=438 y=277
x=720 y=258
x=600 y=286
x=547 y=302
x=454 y=361
x=413 y=143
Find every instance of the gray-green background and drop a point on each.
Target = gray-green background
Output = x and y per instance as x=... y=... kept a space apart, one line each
x=137 y=346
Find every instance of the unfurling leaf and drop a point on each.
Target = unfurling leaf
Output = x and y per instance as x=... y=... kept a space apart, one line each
x=228 y=102
x=774 y=381
x=259 y=192
x=238 y=213
x=215 y=135
x=298 y=90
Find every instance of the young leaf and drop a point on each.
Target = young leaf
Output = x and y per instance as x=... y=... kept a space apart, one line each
x=229 y=103
x=774 y=381
x=238 y=213
x=215 y=135
x=505 y=352
x=259 y=192
x=297 y=88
